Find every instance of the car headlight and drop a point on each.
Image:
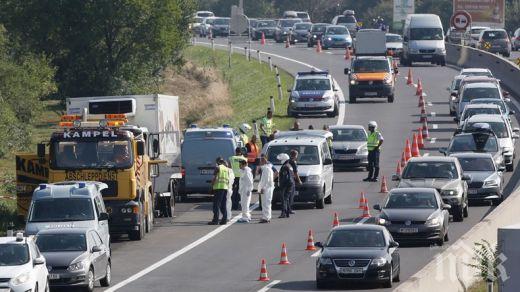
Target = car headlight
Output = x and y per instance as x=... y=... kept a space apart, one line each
x=21 y=279
x=449 y=193
x=313 y=178
x=362 y=150
x=432 y=222
x=384 y=222
x=327 y=97
x=378 y=262
x=75 y=267
x=353 y=82
x=329 y=39
x=325 y=261
x=491 y=183
x=314 y=36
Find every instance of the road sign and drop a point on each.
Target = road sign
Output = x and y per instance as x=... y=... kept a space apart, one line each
x=487 y=45
x=460 y=20
x=238 y=24
x=489 y=13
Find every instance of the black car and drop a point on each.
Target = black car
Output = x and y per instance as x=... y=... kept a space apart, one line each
x=415 y=214
x=266 y=26
x=317 y=31
x=76 y=257
x=358 y=253
x=284 y=29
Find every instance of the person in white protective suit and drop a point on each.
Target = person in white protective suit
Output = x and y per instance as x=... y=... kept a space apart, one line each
x=244 y=189
x=229 y=203
x=266 y=187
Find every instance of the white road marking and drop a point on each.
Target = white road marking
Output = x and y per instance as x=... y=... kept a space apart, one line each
x=426 y=154
x=330 y=53
x=178 y=253
x=316 y=254
x=269 y=286
x=433 y=140
x=363 y=220
x=433 y=114
x=429 y=103
x=435 y=126
x=424 y=94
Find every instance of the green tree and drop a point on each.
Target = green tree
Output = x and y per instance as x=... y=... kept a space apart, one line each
x=102 y=47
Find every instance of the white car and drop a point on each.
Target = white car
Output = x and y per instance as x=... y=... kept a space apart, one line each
x=22 y=267
x=394 y=42
x=479 y=109
x=454 y=90
x=476 y=72
x=472 y=35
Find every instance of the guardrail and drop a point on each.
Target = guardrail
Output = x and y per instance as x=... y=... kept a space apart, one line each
x=449 y=271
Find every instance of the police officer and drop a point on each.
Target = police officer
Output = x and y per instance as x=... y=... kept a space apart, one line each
x=266 y=127
x=374 y=142
x=235 y=165
x=220 y=185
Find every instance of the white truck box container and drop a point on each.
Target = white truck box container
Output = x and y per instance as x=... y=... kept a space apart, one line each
x=370 y=42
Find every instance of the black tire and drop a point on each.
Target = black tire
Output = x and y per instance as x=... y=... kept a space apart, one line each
x=458 y=214
x=440 y=241
x=510 y=167
x=452 y=113
x=397 y=277
x=105 y=282
x=320 y=284
x=443 y=62
x=446 y=237
x=140 y=233
x=309 y=45
x=388 y=283
x=507 y=55
x=91 y=280
x=466 y=210
x=391 y=98
x=47 y=289
x=328 y=200
x=352 y=99
x=320 y=203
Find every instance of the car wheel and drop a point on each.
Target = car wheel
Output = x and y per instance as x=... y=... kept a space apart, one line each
x=391 y=98
x=452 y=113
x=139 y=233
x=446 y=236
x=328 y=200
x=458 y=215
x=388 y=283
x=443 y=62
x=352 y=99
x=320 y=203
x=47 y=289
x=105 y=282
x=397 y=277
x=90 y=281
x=466 y=210
x=309 y=45
x=440 y=241
x=320 y=284
x=510 y=167
x=507 y=55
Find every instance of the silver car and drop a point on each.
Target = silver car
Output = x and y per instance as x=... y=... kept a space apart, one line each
x=478 y=109
x=349 y=146
x=454 y=90
x=495 y=41
x=443 y=174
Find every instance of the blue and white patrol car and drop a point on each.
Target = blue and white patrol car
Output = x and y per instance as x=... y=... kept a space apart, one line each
x=313 y=93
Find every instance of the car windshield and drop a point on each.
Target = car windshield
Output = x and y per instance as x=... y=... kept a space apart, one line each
x=469 y=112
x=393 y=38
x=302 y=26
x=221 y=21
x=474 y=143
x=61 y=210
x=480 y=92
x=499 y=128
x=476 y=164
x=370 y=66
x=430 y=169
x=477 y=30
x=346 y=19
x=312 y=84
x=356 y=238
x=426 y=34
x=289 y=22
x=494 y=35
x=13 y=254
x=319 y=28
x=92 y=154
x=498 y=102
x=61 y=242
x=266 y=23
x=358 y=135
x=307 y=154
x=302 y=15
x=411 y=201
x=337 y=30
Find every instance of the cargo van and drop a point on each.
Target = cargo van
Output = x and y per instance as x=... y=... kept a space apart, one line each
x=423 y=40
x=199 y=150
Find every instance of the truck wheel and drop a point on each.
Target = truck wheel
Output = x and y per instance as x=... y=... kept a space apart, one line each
x=138 y=234
x=391 y=98
x=320 y=202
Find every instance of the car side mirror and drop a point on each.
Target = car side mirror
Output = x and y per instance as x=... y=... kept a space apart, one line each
x=154 y=170
x=327 y=161
x=95 y=248
x=140 y=148
x=40 y=150
x=454 y=94
x=377 y=207
x=396 y=177
x=318 y=244
x=155 y=148
x=39 y=261
x=346 y=71
x=103 y=216
x=443 y=150
x=516 y=130
x=515 y=136
x=393 y=244
x=466 y=177
x=446 y=206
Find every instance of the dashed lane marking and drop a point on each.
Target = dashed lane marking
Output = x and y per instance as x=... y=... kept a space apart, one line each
x=433 y=140
x=433 y=114
x=426 y=154
x=429 y=103
x=269 y=286
x=435 y=126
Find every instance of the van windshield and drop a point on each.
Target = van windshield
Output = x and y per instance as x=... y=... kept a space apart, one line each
x=426 y=34
x=307 y=154
x=61 y=210
x=206 y=150
x=302 y=15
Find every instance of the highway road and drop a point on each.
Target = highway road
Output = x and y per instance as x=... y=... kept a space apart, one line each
x=188 y=255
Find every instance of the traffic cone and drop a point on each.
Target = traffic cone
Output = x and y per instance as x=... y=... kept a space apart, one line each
x=310 y=242
x=426 y=134
x=263 y=272
x=318 y=46
x=424 y=116
x=347 y=54
x=419 y=90
x=407 y=151
x=420 y=140
x=362 y=200
x=403 y=159
x=421 y=101
x=398 y=169
x=409 y=80
x=335 y=222
x=284 y=260
x=366 y=211
x=262 y=40
x=384 y=189
x=415 y=147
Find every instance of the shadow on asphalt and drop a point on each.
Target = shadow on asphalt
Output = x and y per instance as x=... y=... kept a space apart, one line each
x=311 y=286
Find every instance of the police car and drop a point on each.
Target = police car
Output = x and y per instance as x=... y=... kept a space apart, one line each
x=22 y=267
x=313 y=93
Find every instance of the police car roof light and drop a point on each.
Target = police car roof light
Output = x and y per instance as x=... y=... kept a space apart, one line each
x=324 y=72
x=81 y=185
x=19 y=236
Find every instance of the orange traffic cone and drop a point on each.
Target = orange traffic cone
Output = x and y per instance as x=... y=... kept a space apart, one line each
x=421 y=101
x=425 y=133
x=424 y=116
x=409 y=80
x=362 y=200
x=318 y=46
x=384 y=189
x=335 y=222
x=420 y=140
x=403 y=159
x=262 y=40
x=415 y=147
x=419 y=90
x=398 y=169
x=407 y=151
x=347 y=54
x=310 y=241
x=366 y=211
x=263 y=272
x=284 y=260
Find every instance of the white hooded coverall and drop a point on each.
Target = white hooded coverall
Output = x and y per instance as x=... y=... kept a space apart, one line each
x=231 y=175
x=266 y=186
x=244 y=189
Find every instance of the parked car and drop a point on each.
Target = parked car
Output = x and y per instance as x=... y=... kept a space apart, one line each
x=495 y=41
x=454 y=89
x=349 y=146
x=484 y=72
x=316 y=33
x=266 y=26
x=348 y=20
x=504 y=108
x=284 y=29
x=473 y=91
x=442 y=173
x=472 y=35
x=358 y=253
x=300 y=32
x=336 y=36
x=415 y=215
x=478 y=109
x=394 y=43
x=486 y=178
x=515 y=39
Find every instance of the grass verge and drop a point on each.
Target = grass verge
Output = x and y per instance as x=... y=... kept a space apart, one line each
x=481 y=286
x=250 y=85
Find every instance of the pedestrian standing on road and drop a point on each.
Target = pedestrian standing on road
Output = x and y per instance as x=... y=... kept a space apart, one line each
x=374 y=142
x=220 y=185
x=266 y=187
x=229 y=194
x=252 y=153
x=296 y=126
x=288 y=178
x=246 y=187
x=266 y=127
x=235 y=165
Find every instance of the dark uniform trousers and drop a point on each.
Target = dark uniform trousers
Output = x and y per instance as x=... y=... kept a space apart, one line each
x=373 y=163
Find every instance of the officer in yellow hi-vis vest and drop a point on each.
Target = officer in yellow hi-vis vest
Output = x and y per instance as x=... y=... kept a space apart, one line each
x=374 y=142
x=235 y=165
x=220 y=185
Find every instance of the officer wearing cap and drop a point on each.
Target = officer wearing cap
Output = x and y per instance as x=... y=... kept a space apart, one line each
x=374 y=142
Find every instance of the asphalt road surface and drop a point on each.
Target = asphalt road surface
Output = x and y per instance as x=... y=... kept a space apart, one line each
x=185 y=254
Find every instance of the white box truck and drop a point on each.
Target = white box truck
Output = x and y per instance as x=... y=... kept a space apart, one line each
x=370 y=42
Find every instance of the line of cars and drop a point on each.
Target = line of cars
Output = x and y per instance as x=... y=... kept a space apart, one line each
x=493 y=40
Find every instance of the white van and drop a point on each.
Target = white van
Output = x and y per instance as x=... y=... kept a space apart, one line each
x=423 y=40
x=314 y=165
x=69 y=205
